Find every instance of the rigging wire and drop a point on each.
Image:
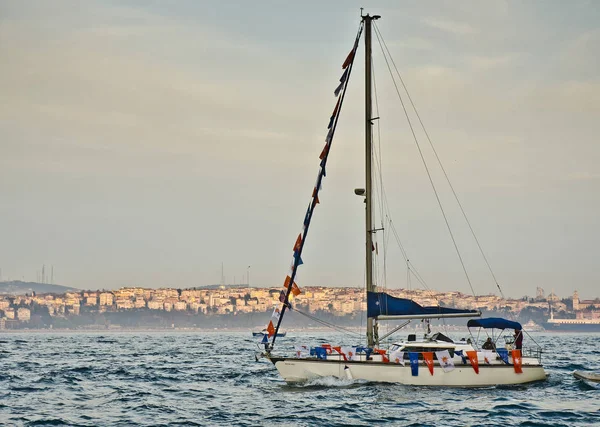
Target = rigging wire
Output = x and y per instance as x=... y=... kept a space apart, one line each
x=439 y=161
x=425 y=163
x=325 y=323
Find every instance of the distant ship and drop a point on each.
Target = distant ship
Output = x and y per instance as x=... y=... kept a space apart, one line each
x=572 y=325
x=531 y=326
x=580 y=324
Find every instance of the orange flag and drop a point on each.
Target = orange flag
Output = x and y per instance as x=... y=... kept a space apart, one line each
x=296 y=290
x=271 y=329
x=428 y=358
x=383 y=355
x=288 y=279
x=298 y=243
x=517 y=361
x=473 y=359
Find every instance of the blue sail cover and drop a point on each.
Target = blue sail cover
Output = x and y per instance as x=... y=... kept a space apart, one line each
x=493 y=322
x=382 y=304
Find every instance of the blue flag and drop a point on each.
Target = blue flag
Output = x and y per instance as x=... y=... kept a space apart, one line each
x=414 y=363
x=461 y=354
x=503 y=353
x=365 y=350
x=321 y=353
x=265 y=339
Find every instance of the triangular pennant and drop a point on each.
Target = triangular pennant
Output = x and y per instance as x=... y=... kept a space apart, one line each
x=337 y=90
x=343 y=78
x=331 y=120
x=428 y=358
x=349 y=59
x=472 y=355
x=337 y=106
x=384 y=357
x=298 y=243
x=265 y=339
x=324 y=152
x=271 y=329
x=517 y=361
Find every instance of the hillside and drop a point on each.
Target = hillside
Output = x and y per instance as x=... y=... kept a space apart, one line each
x=17 y=287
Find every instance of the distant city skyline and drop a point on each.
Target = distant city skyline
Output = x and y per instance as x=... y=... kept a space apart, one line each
x=147 y=143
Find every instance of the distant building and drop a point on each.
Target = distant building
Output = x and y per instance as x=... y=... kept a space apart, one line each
x=180 y=306
x=106 y=298
x=24 y=314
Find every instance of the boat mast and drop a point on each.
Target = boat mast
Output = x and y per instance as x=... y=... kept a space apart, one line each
x=371 y=326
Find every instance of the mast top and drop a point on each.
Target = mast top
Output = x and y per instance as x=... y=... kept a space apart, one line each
x=367 y=16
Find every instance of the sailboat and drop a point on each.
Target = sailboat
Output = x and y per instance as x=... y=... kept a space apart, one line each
x=435 y=359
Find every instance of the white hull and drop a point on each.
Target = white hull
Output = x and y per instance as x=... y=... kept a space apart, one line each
x=300 y=370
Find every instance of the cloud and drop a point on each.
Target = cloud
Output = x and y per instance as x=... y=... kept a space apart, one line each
x=484 y=63
x=452 y=27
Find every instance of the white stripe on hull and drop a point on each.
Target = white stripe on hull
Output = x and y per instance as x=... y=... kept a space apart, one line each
x=301 y=370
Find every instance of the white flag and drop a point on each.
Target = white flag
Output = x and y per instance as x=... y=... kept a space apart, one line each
x=349 y=352
x=488 y=356
x=276 y=313
x=445 y=360
x=397 y=356
x=302 y=351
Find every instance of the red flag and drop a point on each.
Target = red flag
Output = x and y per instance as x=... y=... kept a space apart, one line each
x=298 y=243
x=271 y=329
x=288 y=279
x=348 y=60
x=339 y=350
x=383 y=355
x=337 y=106
x=517 y=361
x=428 y=358
x=324 y=152
x=473 y=359
x=296 y=290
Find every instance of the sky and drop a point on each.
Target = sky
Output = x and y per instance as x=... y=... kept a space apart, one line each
x=150 y=143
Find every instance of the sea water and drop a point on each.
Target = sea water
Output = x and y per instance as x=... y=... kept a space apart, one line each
x=212 y=378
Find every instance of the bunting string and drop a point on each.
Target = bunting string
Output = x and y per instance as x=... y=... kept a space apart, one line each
x=339 y=93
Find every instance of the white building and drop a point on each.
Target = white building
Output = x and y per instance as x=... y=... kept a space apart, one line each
x=24 y=314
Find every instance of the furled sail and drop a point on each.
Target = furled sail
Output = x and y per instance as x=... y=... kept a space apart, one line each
x=381 y=304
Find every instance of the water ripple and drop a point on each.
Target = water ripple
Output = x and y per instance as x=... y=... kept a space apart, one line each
x=206 y=378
